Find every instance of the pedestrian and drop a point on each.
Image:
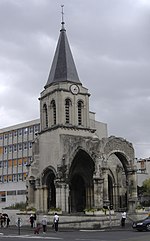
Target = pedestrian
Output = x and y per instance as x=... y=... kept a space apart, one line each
x=55 y=221
x=44 y=224
x=35 y=223
x=8 y=221
x=37 y=228
x=123 y=219
x=31 y=220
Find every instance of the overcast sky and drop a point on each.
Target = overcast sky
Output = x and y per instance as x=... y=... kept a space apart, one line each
x=110 y=42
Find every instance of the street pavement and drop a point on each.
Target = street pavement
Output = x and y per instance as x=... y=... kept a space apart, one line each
x=106 y=234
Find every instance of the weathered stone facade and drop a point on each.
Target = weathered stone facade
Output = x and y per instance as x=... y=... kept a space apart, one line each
x=75 y=165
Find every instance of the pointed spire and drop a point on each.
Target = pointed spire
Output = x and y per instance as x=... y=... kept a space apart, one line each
x=63 y=67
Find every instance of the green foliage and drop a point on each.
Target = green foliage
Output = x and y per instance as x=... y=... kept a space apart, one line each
x=20 y=206
x=146 y=187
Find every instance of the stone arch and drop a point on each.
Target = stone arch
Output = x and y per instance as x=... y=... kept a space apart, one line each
x=48 y=184
x=119 y=156
x=81 y=181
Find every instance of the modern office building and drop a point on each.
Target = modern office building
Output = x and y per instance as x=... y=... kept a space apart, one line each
x=15 y=156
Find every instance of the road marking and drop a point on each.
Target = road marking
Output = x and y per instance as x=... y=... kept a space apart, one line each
x=92 y=230
x=29 y=236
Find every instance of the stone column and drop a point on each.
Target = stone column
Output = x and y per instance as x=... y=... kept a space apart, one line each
x=98 y=192
x=41 y=204
x=105 y=185
x=45 y=196
x=132 y=190
x=37 y=199
x=31 y=190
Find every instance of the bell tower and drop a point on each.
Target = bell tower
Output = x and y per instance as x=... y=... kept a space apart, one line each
x=64 y=102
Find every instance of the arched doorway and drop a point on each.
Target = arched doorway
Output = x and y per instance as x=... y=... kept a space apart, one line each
x=78 y=194
x=81 y=182
x=48 y=180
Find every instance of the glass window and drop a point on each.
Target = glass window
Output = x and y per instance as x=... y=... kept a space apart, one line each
x=30 y=144
x=25 y=131
x=15 y=177
x=14 y=147
x=10 y=148
x=25 y=145
x=5 y=149
x=15 y=133
x=20 y=146
x=20 y=132
x=31 y=129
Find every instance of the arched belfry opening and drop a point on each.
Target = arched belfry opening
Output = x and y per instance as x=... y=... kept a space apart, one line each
x=49 y=187
x=81 y=182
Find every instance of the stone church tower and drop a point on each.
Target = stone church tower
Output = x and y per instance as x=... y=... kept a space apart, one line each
x=75 y=164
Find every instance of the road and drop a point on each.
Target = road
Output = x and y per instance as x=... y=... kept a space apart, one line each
x=86 y=235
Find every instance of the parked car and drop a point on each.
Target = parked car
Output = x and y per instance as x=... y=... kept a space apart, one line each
x=142 y=225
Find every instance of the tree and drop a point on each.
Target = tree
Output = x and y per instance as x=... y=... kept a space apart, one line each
x=146 y=187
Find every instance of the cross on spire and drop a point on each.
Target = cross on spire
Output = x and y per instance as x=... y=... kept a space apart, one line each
x=62 y=16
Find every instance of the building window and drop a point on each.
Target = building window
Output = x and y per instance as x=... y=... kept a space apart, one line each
x=45 y=115
x=1 y=179
x=36 y=129
x=25 y=131
x=30 y=144
x=10 y=148
x=15 y=177
x=67 y=110
x=53 y=107
x=5 y=178
x=80 y=113
x=20 y=176
x=25 y=145
x=2 y=196
x=20 y=146
x=5 y=149
x=31 y=129
x=20 y=132
x=5 y=164
x=6 y=136
x=21 y=192
x=10 y=193
x=10 y=135
x=15 y=133
x=1 y=137
x=14 y=147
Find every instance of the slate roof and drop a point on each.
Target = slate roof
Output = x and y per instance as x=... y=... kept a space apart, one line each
x=63 y=67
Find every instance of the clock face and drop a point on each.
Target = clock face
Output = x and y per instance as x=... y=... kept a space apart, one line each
x=74 y=89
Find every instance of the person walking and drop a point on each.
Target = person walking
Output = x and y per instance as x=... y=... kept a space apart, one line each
x=123 y=219
x=44 y=224
x=55 y=221
x=31 y=220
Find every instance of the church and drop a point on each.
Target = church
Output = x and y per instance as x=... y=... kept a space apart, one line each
x=75 y=164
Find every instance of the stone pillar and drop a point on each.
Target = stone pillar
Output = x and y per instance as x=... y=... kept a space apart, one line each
x=62 y=195
x=37 y=199
x=105 y=185
x=31 y=191
x=41 y=204
x=98 y=192
x=132 y=190
x=45 y=196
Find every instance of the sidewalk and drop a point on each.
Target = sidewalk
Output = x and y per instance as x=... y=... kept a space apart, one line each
x=27 y=230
